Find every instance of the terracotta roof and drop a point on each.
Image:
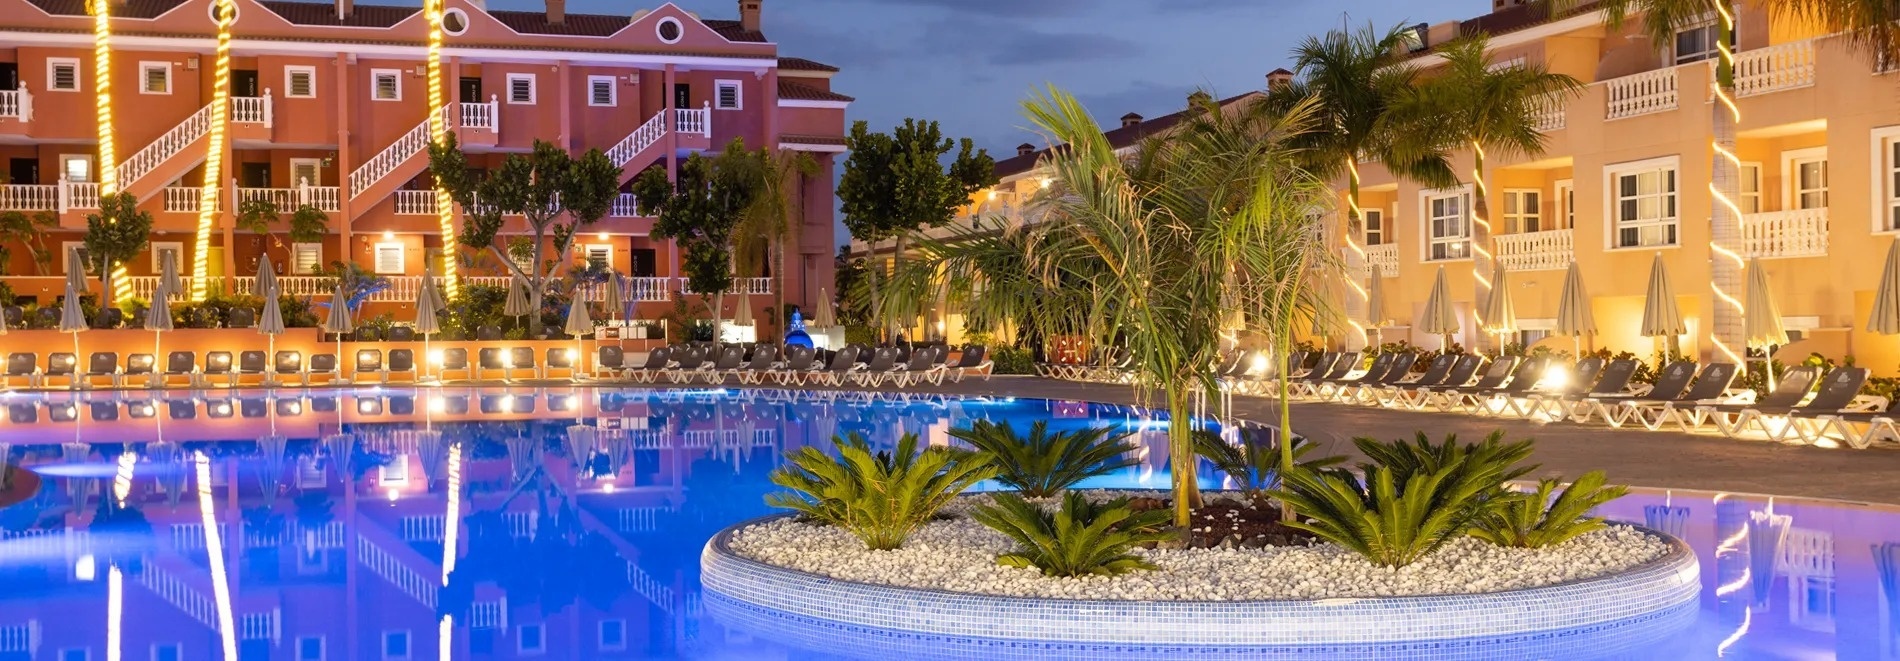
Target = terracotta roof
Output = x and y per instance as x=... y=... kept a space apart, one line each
x=802 y=64
x=1511 y=19
x=575 y=25
x=324 y=14
x=791 y=91
x=732 y=31
x=804 y=139
x=1118 y=137
x=145 y=9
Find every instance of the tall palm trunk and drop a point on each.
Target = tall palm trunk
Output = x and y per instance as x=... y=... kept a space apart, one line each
x=1283 y=348
x=1726 y=230
x=1481 y=248
x=1181 y=451
x=897 y=266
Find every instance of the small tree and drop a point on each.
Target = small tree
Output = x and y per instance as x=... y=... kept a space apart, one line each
x=773 y=221
x=115 y=235
x=543 y=187
x=29 y=230
x=307 y=225
x=895 y=184
x=701 y=211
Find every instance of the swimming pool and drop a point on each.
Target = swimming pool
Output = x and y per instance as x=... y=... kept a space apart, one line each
x=335 y=541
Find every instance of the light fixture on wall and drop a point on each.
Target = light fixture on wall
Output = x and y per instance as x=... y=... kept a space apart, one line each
x=389 y=235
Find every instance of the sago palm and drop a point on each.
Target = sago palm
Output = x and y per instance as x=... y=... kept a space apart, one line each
x=1083 y=538
x=1473 y=104
x=1537 y=521
x=879 y=497
x=1041 y=463
x=1254 y=463
x=1391 y=521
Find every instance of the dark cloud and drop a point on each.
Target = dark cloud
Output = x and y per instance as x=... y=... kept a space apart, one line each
x=1038 y=48
x=1024 y=8
x=1147 y=98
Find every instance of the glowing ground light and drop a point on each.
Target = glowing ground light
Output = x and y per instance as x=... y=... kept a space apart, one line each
x=115 y=613
x=438 y=131
x=214 y=551
x=214 y=154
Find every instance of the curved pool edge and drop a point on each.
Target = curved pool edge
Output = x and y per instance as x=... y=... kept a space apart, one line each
x=1631 y=607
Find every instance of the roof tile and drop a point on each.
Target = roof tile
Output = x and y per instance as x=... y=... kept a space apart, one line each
x=791 y=91
x=324 y=14
x=1118 y=137
x=144 y=9
x=802 y=64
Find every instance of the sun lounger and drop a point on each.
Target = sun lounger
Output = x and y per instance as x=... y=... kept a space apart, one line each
x=1653 y=411
x=609 y=362
x=1451 y=398
x=369 y=362
x=763 y=363
x=922 y=367
x=250 y=363
x=798 y=362
x=654 y=366
x=289 y=364
x=1385 y=394
x=1839 y=393
x=454 y=359
x=843 y=364
x=1341 y=365
x=1797 y=383
x=561 y=358
x=61 y=366
x=1671 y=382
x=1400 y=368
x=180 y=363
x=101 y=364
x=686 y=364
x=22 y=365
x=882 y=362
x=401 y=361
x=1572 y=381
x=139 y=369
x=1612 y=381
x=974 y=361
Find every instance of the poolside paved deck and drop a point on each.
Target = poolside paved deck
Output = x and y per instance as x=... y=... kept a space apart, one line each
x=1637 y=457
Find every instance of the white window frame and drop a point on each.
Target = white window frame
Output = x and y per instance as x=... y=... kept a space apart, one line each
x=1612 y=208
x=290 y=73
x=521 y=644
x=316 y=171
x=1565 y=201
x=91 y=165
x=52 y=76
x=376 y=75
x=600 y=635
x=530 y=79
x=323 y=648
x=177 y=647
x=295 y=248
x=1791 y=192
x=145 y=73
x=409 y=645
x=376 y=256
x=1674 y=57
x=1453 y=243
x=613 y=91
x=397 y=471
x=65 y=257
x=158 y=249
x=1751 y=201
x=587 y=252
x=738 y=94
x=1884 y=142
x=1515 y=221
x=1366 y=232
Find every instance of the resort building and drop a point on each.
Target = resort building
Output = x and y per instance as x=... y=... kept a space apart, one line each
x=329 y=109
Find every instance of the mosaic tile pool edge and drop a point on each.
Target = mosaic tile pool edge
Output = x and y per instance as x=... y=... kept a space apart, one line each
x=1656 y=587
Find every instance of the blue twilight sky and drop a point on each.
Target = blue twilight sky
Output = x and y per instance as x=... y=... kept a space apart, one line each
x=970 y=63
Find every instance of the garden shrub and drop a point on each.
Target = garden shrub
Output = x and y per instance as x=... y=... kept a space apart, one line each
x=1009 y=359
x=881 y=497
x=1254 y=464
x=1043 y=463
x=1082 y=538
x=1526 y=521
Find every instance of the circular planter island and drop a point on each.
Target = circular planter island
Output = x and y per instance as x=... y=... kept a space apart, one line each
x=1624 y=610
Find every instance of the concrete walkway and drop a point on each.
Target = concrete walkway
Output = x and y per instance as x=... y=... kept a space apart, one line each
x=1636 y=457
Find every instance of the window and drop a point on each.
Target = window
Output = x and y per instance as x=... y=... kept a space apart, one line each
x=613 y=635
x=177 y=249
x=155 y=77
x=1887 y=176
x=1697 y=43
x=389 y=257
x=1566 y=216
x=306 y=172
x=529 y=639
x=75 y=168
x=396 y=471
x=668 y=30
x=1447 y=224
x=1375 y=226
x=395 y=646
x=455 y=22
x=300 y=82
x=62 y=74
x=385 y=85
x=727 y=95
x=1751 y=188
x=1523 y=211
x=521 y=88
x=167 y=652
x=306 y=258
x=1643 y=203
x=600 y=91
x=600 y=255
x=310 y=648
x=1804 y=177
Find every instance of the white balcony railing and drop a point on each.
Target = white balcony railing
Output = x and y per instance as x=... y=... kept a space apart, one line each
x=1775 y=68
x=1796 y=233
x=143 y=286
x=16 y=105
x=1551 y=115
x=643 y=136
x=694 y=120
x=482 y=115
x=398 y=152
x=183 y=199
x=78 y=195
x=286 y=199
x=415 y=202
x=1549 y=250
x=252 y=109
x=29 y=197
x=1641 y=94
x=177 y=139
x=1385 y=256
x=624 y=206
x=324 y=198
x=741 y=286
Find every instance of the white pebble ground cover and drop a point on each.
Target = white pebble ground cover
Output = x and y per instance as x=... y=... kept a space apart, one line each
x=959 y=555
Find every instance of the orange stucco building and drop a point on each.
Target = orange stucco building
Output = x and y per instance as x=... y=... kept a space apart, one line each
x=329 y=109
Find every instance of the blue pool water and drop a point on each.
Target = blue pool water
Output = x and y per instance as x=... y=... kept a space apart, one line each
x=325 y=517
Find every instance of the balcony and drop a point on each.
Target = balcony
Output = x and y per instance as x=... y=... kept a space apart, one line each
x=1549 y=250
x=289 y=200
x=183 y=199
x=1777 y=234
x=624 y=206
x=1775 y=68
x=1551 y=114
x=252 y=109
x=1385 y=256
x=484 y=116
x=16 y=105
x=1641 y=94
x=26 y=197
x=415 y=202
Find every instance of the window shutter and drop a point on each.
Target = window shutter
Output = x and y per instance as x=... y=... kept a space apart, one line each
x=306 y=258
x=389 y=258
x=728 y=96
x=300 y=84
x=521 y=90
x=155 y=80
x=65 y=77
x=603 y=93
x=386 y=86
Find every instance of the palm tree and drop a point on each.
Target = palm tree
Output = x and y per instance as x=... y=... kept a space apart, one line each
x=1157 y=250
x=1353 y=78
x=1472 y=104
x=767 y=225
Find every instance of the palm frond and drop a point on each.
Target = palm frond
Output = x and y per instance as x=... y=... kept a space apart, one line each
x=880 y=497
x=1082 y=538
x=1042 y=463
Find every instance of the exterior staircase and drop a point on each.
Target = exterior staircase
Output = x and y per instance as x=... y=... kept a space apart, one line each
x=145 y=173
x=402 y=160
x=385 y=555
x=648 y=142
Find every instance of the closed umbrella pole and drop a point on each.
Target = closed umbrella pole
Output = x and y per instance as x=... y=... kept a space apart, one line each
x=1499 y=313
x=158 y=319
x=72 y=318
x=579 y=325
x=338 y=321
x=1885 y=319
x=517 y=302
x=168 y=273
x=1376 y=318
x=270 y=326
x=615 y=300
x=1439 y=319
x=1761 y=321
x=427 y=302
x=1661 y=316
x=1574 y=317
